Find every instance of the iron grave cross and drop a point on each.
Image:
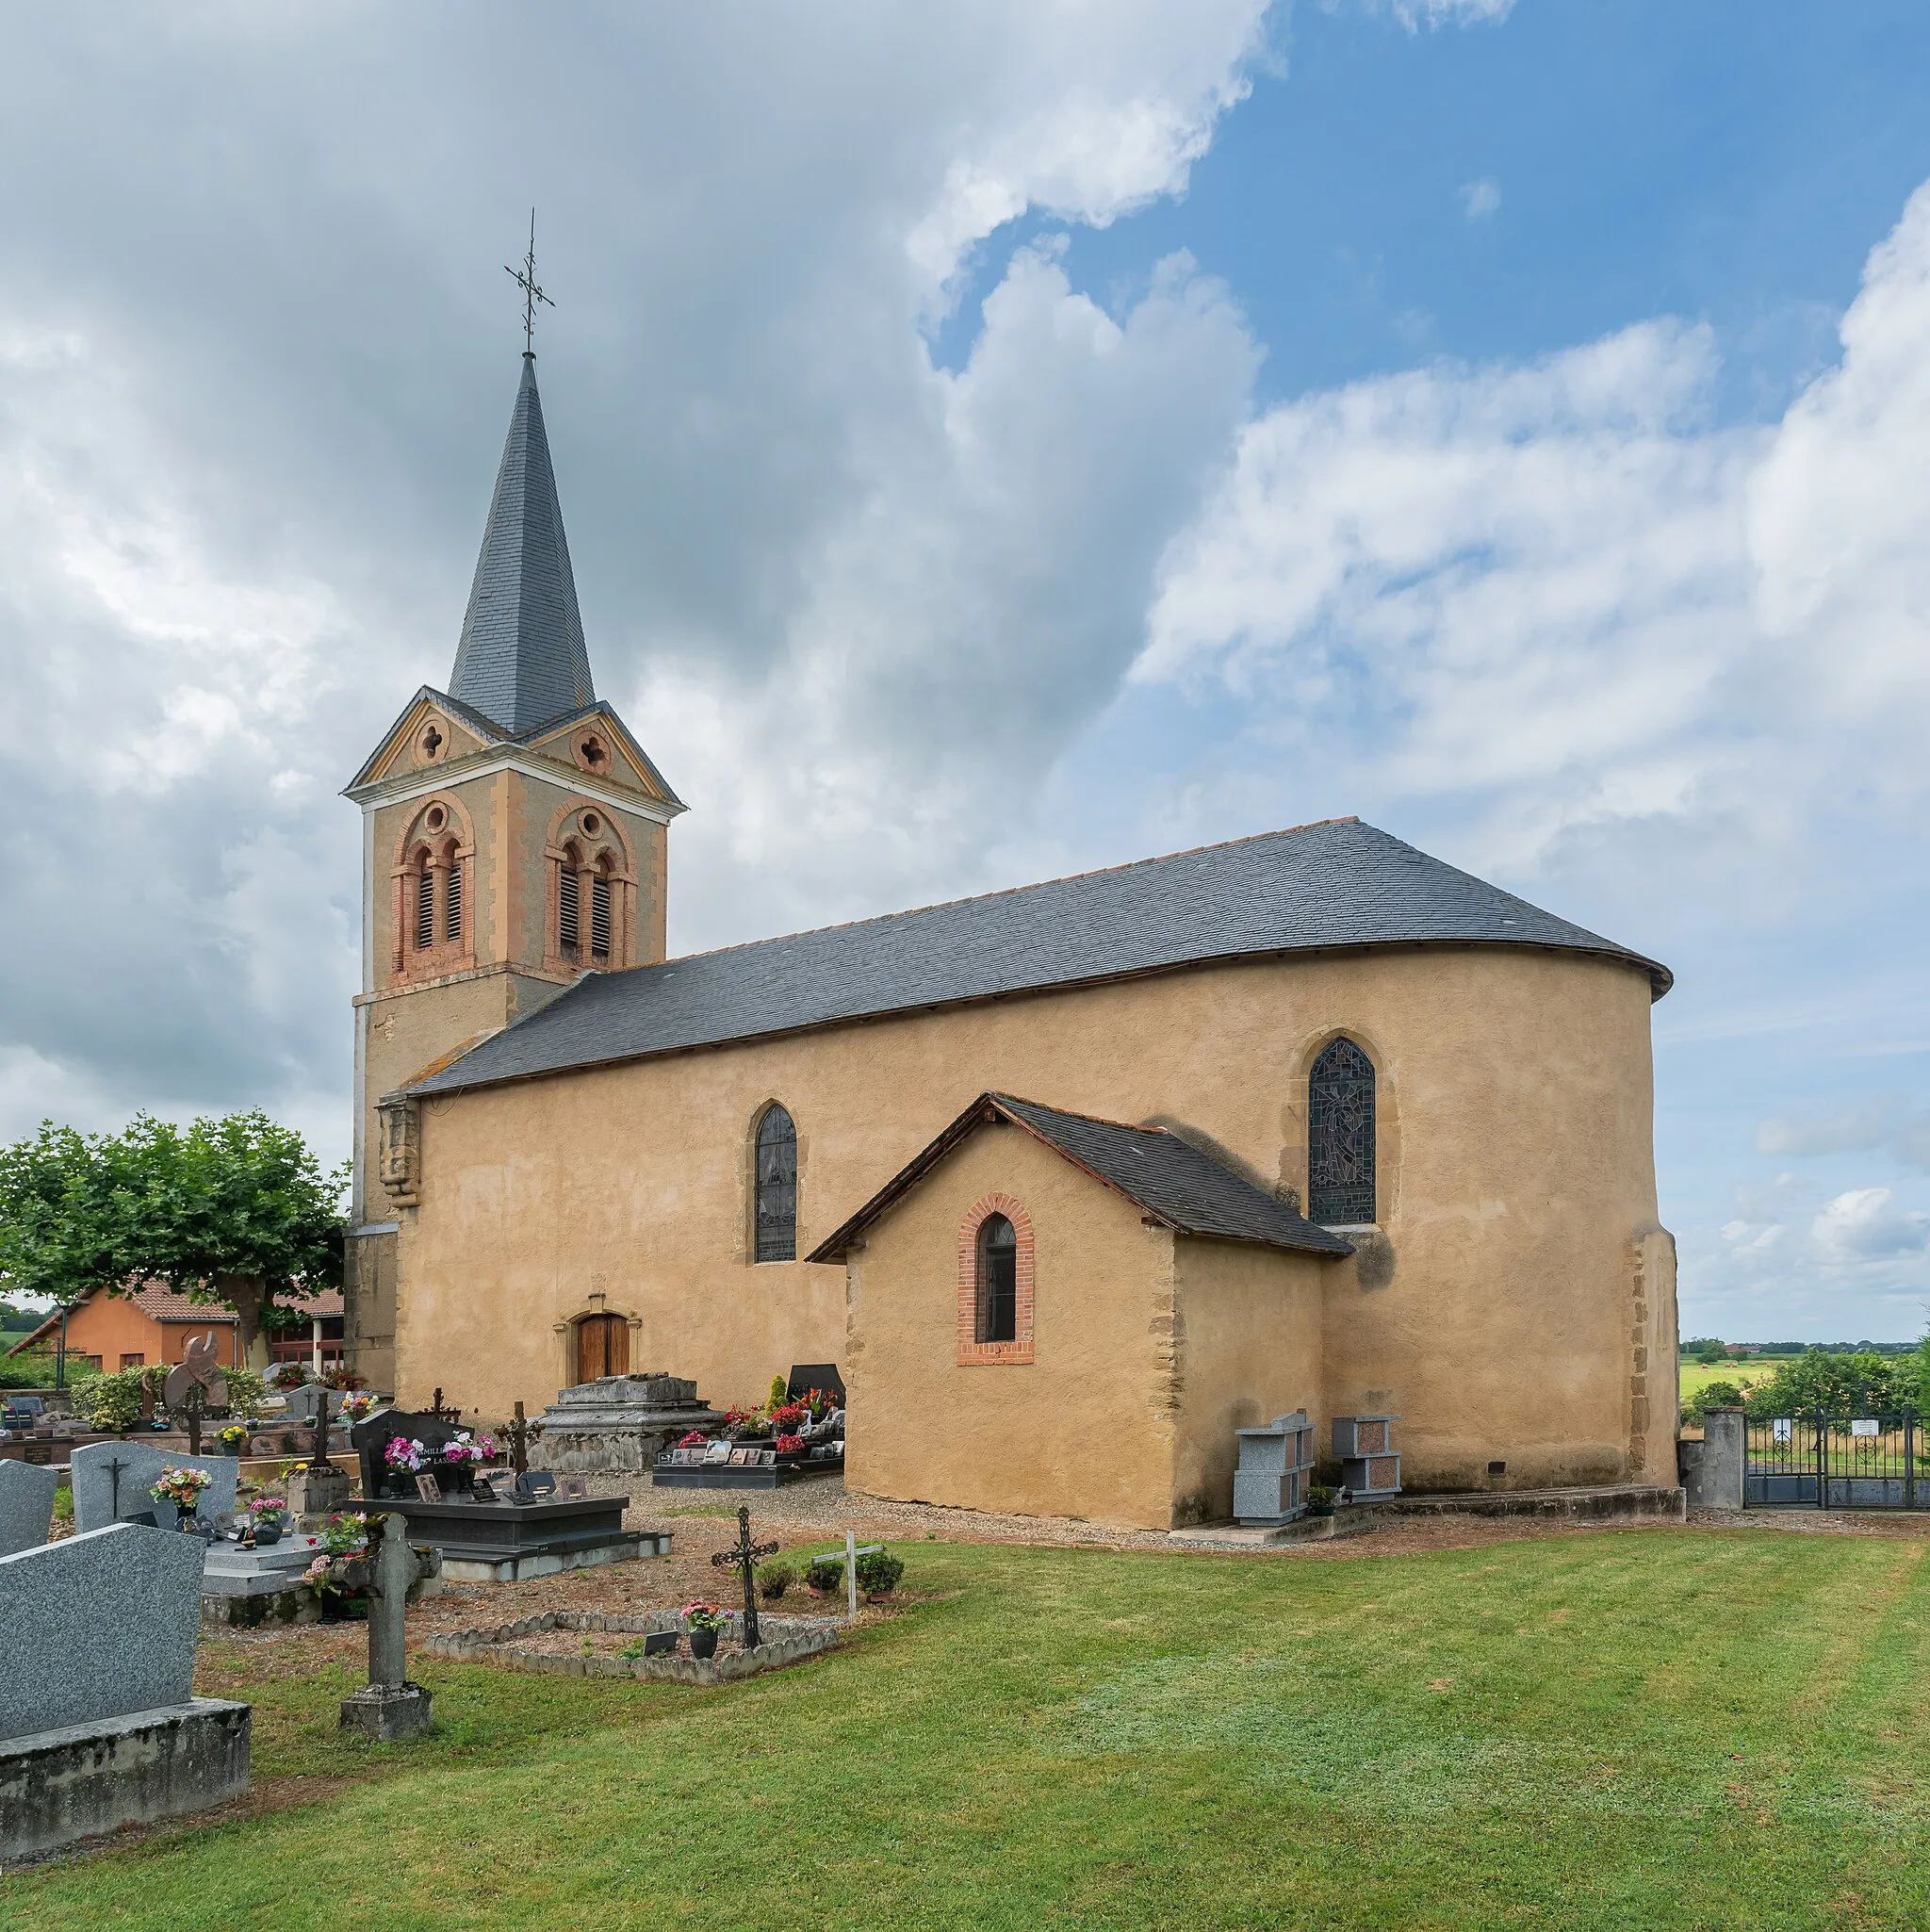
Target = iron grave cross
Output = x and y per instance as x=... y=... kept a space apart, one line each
x=745 y=1555
x=525 y=279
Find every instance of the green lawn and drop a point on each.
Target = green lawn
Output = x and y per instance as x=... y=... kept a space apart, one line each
x=1643 y=1730
x=1698 y=1375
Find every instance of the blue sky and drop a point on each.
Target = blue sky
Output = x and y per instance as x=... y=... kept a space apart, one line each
x=1510 y=423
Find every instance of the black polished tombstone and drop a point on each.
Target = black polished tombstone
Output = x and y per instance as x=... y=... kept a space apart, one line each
x=372 y=1440
x=823 y=1376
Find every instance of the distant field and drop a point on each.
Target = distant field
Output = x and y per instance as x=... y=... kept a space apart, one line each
x=1698 y=1376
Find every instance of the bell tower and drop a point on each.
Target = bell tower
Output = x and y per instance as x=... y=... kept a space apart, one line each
x=513 y=838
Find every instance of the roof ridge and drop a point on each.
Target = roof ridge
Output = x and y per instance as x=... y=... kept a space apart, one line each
x=1037 y=885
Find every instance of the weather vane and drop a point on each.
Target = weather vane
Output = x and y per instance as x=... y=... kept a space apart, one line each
x=525 y=279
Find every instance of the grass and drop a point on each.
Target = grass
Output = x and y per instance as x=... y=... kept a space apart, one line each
x=1698 y=1375
x=1654 y=1728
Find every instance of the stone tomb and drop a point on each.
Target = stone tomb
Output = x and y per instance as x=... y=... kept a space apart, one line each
x=372 y=1440
x=102 y=1495
x=1276 y=1466
x=1369 y=1463
x=99 y=1723
x=619 y=1424
x=26 y=1506
x=506 y=1542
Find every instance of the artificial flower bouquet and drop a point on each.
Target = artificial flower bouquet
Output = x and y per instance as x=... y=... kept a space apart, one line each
x=357 y=1405
x=343 y=1542
x=403 y=1454
x=232 y=1439
x=466 y=1448
x=696 y=1439
x=181 y=1489
x=270 y=1509
x=704 y=1617
x=789 y=1445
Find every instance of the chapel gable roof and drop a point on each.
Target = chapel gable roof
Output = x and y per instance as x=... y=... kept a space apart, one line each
x=1168 y=1179
x=1337 y=885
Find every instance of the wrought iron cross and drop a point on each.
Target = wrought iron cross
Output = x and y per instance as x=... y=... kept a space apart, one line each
x=115 y=1465
x=745 y=1556
x=519 y=1434
x=525 y=279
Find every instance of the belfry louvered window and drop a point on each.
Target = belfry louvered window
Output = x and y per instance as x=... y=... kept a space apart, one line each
x=1340 y=1138
x=569 y=919
x=600 y=917
x=425 y=906
x=452 y=923
x=776 y=1188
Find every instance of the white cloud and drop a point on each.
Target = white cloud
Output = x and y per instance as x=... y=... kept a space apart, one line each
x=1862 y=1225
x=1480 y=198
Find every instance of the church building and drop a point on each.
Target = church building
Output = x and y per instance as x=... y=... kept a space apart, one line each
x=1069 y=1182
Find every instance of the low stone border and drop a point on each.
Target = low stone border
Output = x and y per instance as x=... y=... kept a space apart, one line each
x=786 y=1640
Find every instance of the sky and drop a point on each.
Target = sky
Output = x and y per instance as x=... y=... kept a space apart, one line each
x=998 y=441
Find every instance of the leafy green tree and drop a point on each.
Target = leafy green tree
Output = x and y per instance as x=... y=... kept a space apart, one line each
x=235 y=1210
x=1835 y=1384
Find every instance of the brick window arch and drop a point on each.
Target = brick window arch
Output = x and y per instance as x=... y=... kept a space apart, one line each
x=431 y=908
x=592 y=899
x=995 y=1283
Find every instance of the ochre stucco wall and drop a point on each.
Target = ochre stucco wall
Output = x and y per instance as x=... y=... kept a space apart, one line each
x=1495 y=1308
x=1082 y=1429
x=1248 y=1335
x=110 y=1326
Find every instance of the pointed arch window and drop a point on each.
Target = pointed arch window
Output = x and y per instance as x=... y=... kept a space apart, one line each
x=1341 y=1187
x=776 y=1234
x=998 y=1280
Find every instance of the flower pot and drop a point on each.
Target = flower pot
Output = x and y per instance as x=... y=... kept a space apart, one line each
x=703 y=1642
x=267 y=1534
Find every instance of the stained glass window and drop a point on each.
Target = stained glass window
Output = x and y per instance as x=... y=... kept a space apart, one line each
x=998 y=1280
x=776 y=1187
x=1340 y=1138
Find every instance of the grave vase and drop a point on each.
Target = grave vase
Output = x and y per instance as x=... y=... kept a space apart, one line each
x=703 y=1642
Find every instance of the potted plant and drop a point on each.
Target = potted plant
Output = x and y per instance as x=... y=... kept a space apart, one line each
x=706 y=1622
x=775 y=1577
x=231 y=1438
x=792 y=1445
x=339 y=1574
x=823 y=1575
x=181 y=1489
x=464 y=1453
x=1320 y=1501
x=271 y=1518
x=878 y=1572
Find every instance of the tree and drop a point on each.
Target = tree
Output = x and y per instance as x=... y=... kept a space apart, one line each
x=235 y=1210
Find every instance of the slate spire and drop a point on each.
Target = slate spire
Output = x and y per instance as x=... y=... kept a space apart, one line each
x=522 y=661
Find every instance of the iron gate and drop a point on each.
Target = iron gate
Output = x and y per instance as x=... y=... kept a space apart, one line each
x=1837 y=1462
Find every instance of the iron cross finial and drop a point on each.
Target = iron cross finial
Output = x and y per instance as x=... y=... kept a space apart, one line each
x=525 y=279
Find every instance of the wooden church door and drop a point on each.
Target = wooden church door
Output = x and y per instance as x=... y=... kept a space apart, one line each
x=602 y=1347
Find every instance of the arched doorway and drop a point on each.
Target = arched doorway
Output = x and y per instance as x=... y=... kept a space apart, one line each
x=602 y=1347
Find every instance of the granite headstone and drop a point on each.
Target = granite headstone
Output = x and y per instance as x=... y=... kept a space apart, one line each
x=99 y=1626
x=102 y=1495
x=27 y=1505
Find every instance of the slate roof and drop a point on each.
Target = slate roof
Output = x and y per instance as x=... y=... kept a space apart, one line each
x=1336 y=885
x=1168 y=1179
x=522 y=660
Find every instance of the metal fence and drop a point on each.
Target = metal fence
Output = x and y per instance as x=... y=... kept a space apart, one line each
x=1837 y=1462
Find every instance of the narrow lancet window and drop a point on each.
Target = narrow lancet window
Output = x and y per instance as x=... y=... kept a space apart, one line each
x=998 y=1280
x=453 y=924
x=1340 y=1138
x=569 y=920
x=425 y=906
x=776 y=1188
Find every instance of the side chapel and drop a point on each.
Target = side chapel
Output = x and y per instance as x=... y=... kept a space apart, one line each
x=1070 y=1181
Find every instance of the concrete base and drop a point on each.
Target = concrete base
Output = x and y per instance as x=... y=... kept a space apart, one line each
x=388 y=1712
x=1272 y=1535
x=1607 y=1502
x=58 y=1786
x=475 y=1568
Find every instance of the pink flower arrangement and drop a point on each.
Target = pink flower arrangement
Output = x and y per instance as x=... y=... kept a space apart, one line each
x=356 y=1405
x=696 y=1439
x=181 y=1487
x=402 y=1452
x=464 y=1448
x=704 y=1617
x=789 y=1445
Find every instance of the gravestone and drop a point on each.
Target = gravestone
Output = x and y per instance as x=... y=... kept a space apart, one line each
x=103 y=1494
x=99 y=1723
x=372 y=1440
x=391 y=1707
x=98 y=1626
x=1369 y=1463
x=27 y=1505
x=619 y=1424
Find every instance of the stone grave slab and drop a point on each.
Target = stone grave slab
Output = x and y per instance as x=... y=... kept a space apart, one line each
x=94 y=1481
x=27 y=1505
x=99 y=1626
